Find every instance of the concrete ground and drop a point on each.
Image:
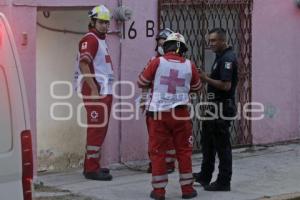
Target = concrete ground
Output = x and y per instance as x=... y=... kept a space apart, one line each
x=258 y=173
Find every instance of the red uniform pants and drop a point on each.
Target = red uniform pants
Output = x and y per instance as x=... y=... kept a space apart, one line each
x=98 y=113
x=170 y=152
x=162 y=129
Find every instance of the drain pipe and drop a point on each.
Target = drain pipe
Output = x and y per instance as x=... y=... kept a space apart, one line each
x=121 y=14
x=120 y=89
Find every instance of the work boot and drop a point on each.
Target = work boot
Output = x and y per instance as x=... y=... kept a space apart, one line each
x=104 y=170
x=190 y=195
x=216 y=186
x=99 y=176
x=156 y=196
x=199 y=179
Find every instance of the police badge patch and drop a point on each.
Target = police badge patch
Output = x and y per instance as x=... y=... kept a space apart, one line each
x=228 y=65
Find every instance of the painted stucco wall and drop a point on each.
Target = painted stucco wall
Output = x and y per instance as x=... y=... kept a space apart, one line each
x=275 y=70
x=61 y=143
x=53 y=61
x=274 y=73
x=135 y=55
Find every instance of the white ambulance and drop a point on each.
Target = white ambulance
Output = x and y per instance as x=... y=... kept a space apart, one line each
x=16 y=162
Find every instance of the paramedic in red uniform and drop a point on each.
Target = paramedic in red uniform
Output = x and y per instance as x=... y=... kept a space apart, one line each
x=95 y=69
x=171 y=78
x=170 y=153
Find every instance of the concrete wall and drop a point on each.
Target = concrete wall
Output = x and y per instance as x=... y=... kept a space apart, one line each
x=275 y=70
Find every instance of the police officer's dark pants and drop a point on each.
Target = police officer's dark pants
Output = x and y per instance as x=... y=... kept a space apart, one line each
x=215 y=139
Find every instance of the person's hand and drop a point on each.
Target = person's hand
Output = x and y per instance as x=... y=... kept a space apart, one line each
x=142 y=105
x=203 y=75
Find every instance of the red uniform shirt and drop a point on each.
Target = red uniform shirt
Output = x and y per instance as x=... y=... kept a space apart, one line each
x=88 y=47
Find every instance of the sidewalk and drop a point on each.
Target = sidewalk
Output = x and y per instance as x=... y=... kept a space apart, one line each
x=257 y=172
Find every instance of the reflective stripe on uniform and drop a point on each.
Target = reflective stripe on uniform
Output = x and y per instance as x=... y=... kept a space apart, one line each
x=160 y=185
x=160 y=181
x=143 y=79
x=186 y=176
x=87 y=54
x=94 y=155
x=159 y=178
x=169 y=160
x=142 y=83
x=171 y=152
x=93 y=148
x=186 y=179
x=196 y=88
x=196 y=85
x=170 y=156
x=186 y=182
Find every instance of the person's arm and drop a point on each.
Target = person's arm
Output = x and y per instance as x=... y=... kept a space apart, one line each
x=147 y=76
x=86 y=72
x=224 y=85
x=196 y=84
x=145 y=81
x=88 y=48
x=144 y=98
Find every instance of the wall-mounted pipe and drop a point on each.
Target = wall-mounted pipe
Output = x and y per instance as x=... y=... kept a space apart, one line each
x=120 y=3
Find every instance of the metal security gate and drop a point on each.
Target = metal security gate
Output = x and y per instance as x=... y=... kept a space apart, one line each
x=194 y=19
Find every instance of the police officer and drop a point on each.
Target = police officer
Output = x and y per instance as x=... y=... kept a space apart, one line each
x=215 y=138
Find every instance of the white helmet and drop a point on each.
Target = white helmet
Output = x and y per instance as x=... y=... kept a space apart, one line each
x=177 y=37
x=163 y=34
x=100 y=12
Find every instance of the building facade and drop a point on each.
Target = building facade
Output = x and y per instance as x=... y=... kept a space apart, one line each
x=47 y=35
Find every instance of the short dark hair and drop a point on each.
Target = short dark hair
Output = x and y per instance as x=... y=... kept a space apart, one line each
x=92 y=25
x=170 y=46
x=220 y=31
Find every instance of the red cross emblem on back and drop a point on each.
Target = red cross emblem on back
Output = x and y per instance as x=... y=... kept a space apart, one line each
x=172 y=81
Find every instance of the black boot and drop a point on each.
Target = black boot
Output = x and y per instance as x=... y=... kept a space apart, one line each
x=99 y=176
x=216 y=186
x=199 y=179
x=105 y=170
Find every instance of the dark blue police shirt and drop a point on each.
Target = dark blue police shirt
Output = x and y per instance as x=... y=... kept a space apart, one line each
x=225 y=69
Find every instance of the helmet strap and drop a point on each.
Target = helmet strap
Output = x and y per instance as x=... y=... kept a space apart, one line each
x=178 y=47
